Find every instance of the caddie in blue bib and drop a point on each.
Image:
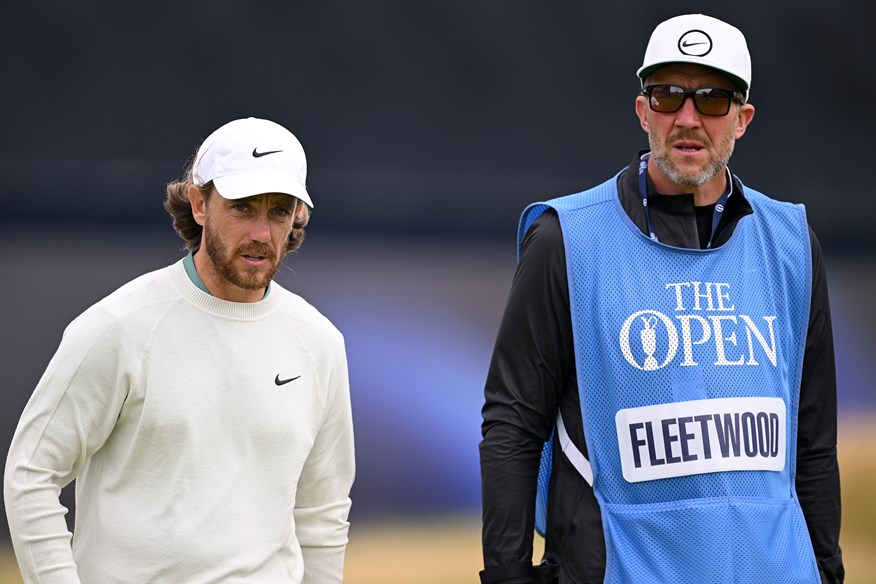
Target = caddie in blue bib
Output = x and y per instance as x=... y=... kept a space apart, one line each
x=689 y=365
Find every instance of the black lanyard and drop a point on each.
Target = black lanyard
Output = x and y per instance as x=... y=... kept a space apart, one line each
x=643 y=191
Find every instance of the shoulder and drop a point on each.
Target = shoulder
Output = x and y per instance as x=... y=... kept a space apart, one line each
x=138 y=301
x=144 y=291
x=543 y=238
x=598 y=196
x=124 y=318
x=541 y=222
x=759 y=200
x=321 y=339
x=151 y=288
x=304 y=316
x=773 y=213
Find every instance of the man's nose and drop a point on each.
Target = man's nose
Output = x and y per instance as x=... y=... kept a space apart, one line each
x=261 y=229
x=688 y=115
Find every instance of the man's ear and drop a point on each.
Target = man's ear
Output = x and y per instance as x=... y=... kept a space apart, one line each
x=746 y=114
x=199 y=205
x=641 y=111
x=302 y=211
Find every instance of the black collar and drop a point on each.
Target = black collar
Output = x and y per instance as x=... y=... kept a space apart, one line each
x=674 y=216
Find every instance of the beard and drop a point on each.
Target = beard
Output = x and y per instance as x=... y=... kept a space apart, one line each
x=692 y=178
x=246 y=277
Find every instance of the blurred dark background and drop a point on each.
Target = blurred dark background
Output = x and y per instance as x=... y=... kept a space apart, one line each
x=417 y=116
x=428 y=126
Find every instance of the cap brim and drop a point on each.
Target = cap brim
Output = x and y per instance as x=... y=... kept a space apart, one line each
x=643 y=72
x=250 y=184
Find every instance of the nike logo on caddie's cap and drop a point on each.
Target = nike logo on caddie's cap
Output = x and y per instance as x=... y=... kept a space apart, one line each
x=257 y=154
x=695 y=43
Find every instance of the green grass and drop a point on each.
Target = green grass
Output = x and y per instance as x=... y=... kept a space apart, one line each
x=446 y=550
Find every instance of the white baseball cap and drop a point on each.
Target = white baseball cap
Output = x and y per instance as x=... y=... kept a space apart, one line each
x=250 y=157
x=703 y=40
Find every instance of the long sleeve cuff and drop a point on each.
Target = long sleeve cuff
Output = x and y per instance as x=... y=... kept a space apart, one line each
x=323 y=565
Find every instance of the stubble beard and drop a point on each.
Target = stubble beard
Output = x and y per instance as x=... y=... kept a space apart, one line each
x=716 y=163
x=249 y=277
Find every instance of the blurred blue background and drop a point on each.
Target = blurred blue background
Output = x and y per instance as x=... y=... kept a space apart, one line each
x=428 y=126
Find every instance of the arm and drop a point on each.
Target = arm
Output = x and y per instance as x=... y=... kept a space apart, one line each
x=71 y=412
x=323 y=500
x=818 y=486
x=522 y=394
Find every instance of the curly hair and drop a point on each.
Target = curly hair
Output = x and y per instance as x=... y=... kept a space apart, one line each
x=177 y=204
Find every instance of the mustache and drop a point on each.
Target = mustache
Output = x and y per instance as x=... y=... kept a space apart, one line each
x=688 y=135
x=256 y=249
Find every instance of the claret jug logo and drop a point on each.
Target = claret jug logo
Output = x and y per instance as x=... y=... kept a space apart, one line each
x=703 y=328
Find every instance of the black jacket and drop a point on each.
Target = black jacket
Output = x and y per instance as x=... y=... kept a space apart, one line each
x=532 y=373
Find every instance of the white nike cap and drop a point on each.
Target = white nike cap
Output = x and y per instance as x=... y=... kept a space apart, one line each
x=702 y=40
x=250 y=157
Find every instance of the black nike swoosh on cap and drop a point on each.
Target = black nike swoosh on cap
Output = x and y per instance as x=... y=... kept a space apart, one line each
x=257 y=154
x=687 y=44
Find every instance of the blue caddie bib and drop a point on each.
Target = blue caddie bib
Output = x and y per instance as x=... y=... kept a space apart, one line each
x=689 y=364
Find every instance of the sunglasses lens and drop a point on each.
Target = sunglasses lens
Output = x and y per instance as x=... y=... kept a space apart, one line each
x=708 y=101
x=713 y=102
x=666 y=98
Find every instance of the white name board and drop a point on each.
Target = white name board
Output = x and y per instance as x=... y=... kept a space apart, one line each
x=702 y=436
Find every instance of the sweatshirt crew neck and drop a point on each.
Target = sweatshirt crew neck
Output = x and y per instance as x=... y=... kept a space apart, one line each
x=205 y=301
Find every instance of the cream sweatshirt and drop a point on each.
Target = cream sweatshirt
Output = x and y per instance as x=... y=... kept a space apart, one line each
x=211 y=441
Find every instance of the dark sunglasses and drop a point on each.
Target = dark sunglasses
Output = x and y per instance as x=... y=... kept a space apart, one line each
x=709 y=101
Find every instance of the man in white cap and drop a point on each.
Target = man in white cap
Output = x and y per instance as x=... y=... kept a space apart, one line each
x=203 y=409
x=667 y=339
